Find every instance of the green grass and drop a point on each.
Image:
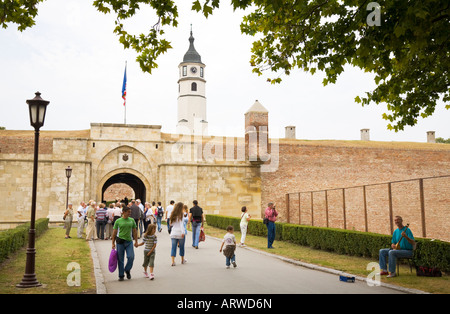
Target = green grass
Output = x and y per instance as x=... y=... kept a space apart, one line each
x=349 y=264
x=53 y=254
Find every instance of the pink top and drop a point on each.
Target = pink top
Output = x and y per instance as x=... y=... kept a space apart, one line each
x=271 y=214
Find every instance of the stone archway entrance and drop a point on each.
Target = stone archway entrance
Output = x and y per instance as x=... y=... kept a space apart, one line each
x=140 y=191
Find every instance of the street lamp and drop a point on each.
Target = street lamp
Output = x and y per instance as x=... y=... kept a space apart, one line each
x=68 y=174
x=37 y=107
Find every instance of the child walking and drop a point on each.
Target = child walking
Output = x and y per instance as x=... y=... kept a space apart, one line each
x=229 y=240
x=150 y=241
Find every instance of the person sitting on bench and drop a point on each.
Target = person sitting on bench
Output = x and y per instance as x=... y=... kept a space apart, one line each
x=402 y=246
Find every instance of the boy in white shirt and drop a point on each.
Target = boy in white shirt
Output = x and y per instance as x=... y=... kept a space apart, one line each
x=229 y=240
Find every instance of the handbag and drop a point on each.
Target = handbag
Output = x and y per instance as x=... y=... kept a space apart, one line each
x=265 y=221
x=202 y=236
x=112 y=264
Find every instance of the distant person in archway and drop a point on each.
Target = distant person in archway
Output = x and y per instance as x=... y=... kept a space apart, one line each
x=125 y=229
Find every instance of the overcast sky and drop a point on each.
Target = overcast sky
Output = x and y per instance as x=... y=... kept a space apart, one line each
x=73 y=58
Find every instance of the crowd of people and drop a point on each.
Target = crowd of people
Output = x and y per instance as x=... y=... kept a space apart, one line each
x=122 y=223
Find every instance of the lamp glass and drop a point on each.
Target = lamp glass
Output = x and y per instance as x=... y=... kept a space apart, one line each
x=33 y=113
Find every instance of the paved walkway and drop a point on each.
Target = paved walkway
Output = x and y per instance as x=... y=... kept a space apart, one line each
x=205 y=273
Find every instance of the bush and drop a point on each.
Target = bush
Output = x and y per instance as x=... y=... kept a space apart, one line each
x=13 y=239
x=431 y=253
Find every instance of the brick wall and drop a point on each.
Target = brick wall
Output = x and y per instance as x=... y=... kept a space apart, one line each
x=308 y=167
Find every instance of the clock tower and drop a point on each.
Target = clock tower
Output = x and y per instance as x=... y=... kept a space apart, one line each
x=191 y=94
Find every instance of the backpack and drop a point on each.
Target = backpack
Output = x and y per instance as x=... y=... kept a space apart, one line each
x=160 y=211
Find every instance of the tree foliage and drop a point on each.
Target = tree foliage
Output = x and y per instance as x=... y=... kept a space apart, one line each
x=407 y=50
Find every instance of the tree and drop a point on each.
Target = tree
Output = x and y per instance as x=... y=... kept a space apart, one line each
x=404 y=43
x=442 y=140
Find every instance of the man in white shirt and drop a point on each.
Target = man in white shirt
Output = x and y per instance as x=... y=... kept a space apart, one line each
x=167 y=215
x=141 y=221
x=81 y=214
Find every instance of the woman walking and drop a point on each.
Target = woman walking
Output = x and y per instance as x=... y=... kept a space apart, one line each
x=177 y=233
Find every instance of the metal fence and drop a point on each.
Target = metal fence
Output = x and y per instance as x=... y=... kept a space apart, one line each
x=424 y=202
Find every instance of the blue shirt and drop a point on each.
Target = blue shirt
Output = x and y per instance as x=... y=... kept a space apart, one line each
x=404 y=244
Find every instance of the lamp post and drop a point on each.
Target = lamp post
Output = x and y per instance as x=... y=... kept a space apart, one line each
x=37 y=108
x=68 y=174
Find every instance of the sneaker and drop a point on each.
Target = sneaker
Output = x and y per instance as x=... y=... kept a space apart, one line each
x=121 y=279
x=128 y=274
x=184 y=261
x=234 y=264
x=384 y=273
x=391 y=275
x=152 y=276
x=145 y=274
x=228 y=266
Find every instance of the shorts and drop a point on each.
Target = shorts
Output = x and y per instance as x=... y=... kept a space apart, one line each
x=149 y=260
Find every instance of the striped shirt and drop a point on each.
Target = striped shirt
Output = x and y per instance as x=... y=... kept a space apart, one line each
x=101 y=214
x=150 y=240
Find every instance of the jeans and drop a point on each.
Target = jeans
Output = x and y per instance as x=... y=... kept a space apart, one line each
x=127 y=247
x=169 y=227
x=158 y=222
x=228 y=260
x=100 y=229
x=196 y=226
x=270 y=233
x=175 y=245
x=392 y=256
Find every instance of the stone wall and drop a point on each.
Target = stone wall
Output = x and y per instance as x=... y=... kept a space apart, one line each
x=319 y=165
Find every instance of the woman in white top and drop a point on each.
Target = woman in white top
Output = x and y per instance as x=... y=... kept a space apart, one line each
x=245 y=217
x=177 y=234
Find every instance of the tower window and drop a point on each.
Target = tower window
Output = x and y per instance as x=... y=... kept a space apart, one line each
x=184 y=70
x=201 y=71
x=194 y=87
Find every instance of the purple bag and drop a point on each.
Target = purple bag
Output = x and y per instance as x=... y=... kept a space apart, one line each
x=112 y=261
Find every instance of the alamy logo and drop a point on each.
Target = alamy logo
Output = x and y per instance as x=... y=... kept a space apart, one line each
x=374 y=17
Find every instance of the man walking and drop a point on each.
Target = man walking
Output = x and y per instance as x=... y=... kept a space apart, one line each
x=124 y=228
x=196 y=218
x=271 y=214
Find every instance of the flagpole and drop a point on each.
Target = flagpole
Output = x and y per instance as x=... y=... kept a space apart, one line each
x=124 y=94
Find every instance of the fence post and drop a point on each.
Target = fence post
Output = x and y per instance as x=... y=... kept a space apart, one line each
x=365 y=209
x=343 y=207
x=422 y=208
x=287 y=208
x=390 y=207
x=326 y=205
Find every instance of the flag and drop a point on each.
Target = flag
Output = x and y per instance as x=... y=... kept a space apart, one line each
x=124 y=86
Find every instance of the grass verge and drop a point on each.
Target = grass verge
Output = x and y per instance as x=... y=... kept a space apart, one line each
x=53 y=254
x=349 y=264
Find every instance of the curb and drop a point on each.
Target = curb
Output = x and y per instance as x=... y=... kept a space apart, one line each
x=99 y=280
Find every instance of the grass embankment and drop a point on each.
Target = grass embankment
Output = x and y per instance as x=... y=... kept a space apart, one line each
x=53 y=254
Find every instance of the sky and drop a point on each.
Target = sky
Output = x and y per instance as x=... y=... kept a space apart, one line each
x=73 y=58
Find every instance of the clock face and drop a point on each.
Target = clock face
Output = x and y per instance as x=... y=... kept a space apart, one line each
x=193 y=69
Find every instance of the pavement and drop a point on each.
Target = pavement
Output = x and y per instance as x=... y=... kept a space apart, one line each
x=257 y=273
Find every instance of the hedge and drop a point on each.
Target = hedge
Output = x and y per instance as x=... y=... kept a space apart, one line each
x=13 y=239
x=430 y=253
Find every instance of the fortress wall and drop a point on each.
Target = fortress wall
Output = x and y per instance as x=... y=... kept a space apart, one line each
x=308 y=167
